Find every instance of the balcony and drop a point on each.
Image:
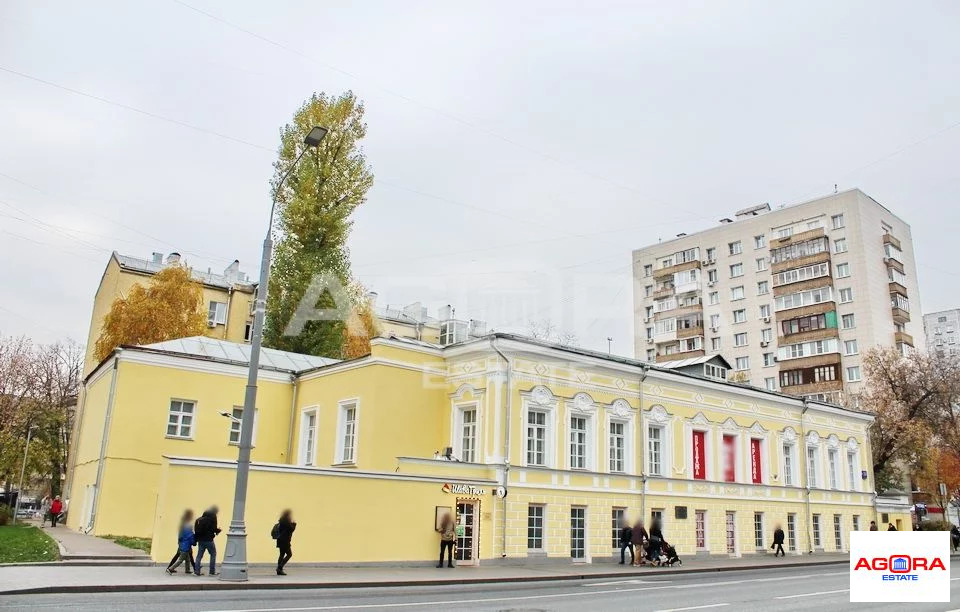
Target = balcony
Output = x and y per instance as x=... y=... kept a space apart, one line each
x=800 y=237
x=663 y=292
x=800 y=262
x=896 y=287
x=804 y=285
x=805 y=311
x=816 y=387
x=893 y=264
x=680 y=267
x=814 y=361
x=889 y=239
x=807 y=336
x=691 y=331
x=900 y=315
x=902 y=337
x=690 y=287
x=678 y=356
x=667 y=336
x=679 y=311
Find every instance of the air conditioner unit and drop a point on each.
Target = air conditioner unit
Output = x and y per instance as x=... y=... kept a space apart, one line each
x=649 y=340
x=711 y=283
x=764 y=343
x=211 y=323
x=766 y=319
x=714 y=329
x=708 y=262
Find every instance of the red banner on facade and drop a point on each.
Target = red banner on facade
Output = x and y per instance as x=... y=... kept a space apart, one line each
x=699 y=456
x=729 y=458
x=755 y=462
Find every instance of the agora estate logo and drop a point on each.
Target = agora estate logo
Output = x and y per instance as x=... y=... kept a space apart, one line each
x=899 y=567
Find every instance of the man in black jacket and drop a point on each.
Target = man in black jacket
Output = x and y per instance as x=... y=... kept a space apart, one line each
x=285 y=528
x=625 y=541
x=204 y=530
x=778 y=542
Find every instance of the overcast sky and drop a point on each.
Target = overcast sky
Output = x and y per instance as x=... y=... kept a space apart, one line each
x=520 y=149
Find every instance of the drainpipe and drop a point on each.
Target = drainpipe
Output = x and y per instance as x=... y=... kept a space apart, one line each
x=803 y=443
x=506 y=446
x=295 y=380
x=103 y=442
x=643 y=462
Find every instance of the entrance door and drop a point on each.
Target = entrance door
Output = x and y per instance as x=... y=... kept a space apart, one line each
x=467 y=533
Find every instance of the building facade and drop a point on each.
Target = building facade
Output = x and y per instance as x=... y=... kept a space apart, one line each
x=942 y=331
x=228 y=297
x=790 y=297
x=538 y=450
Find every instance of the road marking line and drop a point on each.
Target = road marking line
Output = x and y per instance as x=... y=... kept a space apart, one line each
x=636 y=581
x=578 y=593
x=718 y=605
x=813 y=594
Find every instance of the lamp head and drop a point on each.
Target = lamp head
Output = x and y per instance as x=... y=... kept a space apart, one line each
x=316 y=134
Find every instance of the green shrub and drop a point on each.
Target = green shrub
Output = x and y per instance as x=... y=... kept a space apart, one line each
x=5 y=514
x=935 y=526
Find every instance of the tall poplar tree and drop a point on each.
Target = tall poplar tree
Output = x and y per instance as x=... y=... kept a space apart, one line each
x=313 y=218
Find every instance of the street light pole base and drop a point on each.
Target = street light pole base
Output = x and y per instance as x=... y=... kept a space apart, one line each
x=234 y=565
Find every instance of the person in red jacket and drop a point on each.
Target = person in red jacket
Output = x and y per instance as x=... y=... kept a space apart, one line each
x=56 y=508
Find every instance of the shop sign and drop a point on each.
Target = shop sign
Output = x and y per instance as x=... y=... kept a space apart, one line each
x=463 y=489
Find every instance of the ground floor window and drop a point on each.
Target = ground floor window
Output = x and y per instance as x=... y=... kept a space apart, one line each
x=792 y=532
x=535 y=527
x=816 y=530
x=700 y=524
x=837 y=528
x=856 y=522
x=578 y=532
x=731 y=532
x=758 y=529
x=616 y=519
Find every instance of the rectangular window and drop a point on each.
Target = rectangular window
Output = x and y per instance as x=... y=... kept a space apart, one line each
x=180 y=419
x=769 y=360
x=536 y=438
x=846 y=295
x=842 y=270
x=617 y=446
x=468 y=435
x=348 y=429
x=832 y=467
x=700 y=527
x=759 y=242
x=535 y=527
x=766 y=335
x=743 y=363
x=236 y=421
x=715 y=344
x=797 y=275
x=729 y=458
x=648 y=270
x=740 y=316
x=791 y=532
x=711 y=254
x=308 y=438
x=735 y=248
x=758 y=530
x=788 y=465
x=840 y=245
x=837 y=535
x=814 y=224
x=736 y=270
x=247 y=331
x=712 y=276
x=853 y=374
x=713 y=298
x=740 y=339
x=731 y=526
x=763 y=287
x=578 y=443
x=648 y=291
x=765 y=311
x=770 y=384
x=217 y=313
x=578 y=532
x=816 y=530
x=756 y=461
x=812 y=465
x=837 y=221
x=736 y=293
x=852 y=471
x=848 y=321
x=714 y=320
x=616 y=520
x=655 y=450
x=699 y=455
x=785 y=232
x=856 y=522
x=850 y=347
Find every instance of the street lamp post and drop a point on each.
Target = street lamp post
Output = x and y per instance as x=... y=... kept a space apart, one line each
x=234 y=566
x=23 y=469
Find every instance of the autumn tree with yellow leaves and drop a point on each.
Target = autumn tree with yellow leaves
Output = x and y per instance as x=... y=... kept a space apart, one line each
x=168 y=307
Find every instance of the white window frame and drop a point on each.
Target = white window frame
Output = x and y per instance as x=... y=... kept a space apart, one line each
x=216 y=313
x=736 y=270
x=836 y=221
x=191 y=427
x=306 y=445
x=760 y=242
x=813 y=471
x=761 y=264
x=542 y=527
x=343 y=406
x=735 y=248
x=458 y=424
x=846 y=346
x=740 y=315
x=833 y=474
x=854 y=369
x=235 y=426
x=661 y=438
x=627 y=436
x=737 y=293
x=788 y=451
x=853 y=468
x=737 y=367
x=842 y=270
x=746 y=339
x=549 y=409
x=587 y=443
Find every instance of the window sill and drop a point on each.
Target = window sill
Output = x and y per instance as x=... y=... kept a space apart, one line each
x=183 y=438
x=345 y=464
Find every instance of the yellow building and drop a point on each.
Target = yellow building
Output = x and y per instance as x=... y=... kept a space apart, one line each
x=538 y=449
x=227 y=297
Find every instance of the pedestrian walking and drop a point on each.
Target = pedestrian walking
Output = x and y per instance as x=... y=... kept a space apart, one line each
x=656 y=541
x=778 y=542
x=955 y=537
x=890 y=527
x=638 y=535
x=45 y=511
x=625 y=542
x=873 y=526
x=205 y=530
x=56 y=508
x=448 y=535
x=171 y=568
x=185 y=542
x=283 y=531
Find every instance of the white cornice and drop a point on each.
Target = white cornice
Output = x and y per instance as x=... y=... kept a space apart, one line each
x=368 y=361
x=162 y=360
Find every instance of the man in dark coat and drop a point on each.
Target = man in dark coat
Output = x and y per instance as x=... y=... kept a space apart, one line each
x=285 y=528
x=637 y=536
x=205 y=530
x=778 y=542
x=625 y=543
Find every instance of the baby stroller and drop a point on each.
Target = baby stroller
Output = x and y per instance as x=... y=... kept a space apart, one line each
x=668 y=556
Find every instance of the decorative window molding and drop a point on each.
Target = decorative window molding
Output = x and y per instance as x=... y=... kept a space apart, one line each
x=466 y=388
x=659 y=415
x=789 y=435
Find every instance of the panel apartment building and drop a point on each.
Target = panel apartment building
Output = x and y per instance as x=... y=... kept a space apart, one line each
x=790 y=297
x=942 y=330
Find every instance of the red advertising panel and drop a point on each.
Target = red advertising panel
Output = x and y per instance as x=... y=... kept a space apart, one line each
x=699 y=456
x=729 y=458
x=755 y=470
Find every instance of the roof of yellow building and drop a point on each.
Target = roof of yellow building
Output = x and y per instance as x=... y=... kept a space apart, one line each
x=234 y=352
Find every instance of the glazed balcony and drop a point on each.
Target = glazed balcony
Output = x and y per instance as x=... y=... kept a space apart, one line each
x=664 y=292
x=902 y=337
x=695 y=329
x=800 y=237
x=678 y=356
x=889 y=239
x=807 y=336
x=816 y=387
x=900 y=315
x=896 y=287
x=680 y=267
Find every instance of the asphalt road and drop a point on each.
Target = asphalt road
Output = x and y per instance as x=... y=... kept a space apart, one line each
x=801 y=588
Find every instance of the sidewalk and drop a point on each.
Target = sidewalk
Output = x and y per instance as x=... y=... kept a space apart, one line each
x=76 y=546
x=48 y=578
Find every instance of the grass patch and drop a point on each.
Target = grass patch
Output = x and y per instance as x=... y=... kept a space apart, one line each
x=130 y=542
x=26 y=544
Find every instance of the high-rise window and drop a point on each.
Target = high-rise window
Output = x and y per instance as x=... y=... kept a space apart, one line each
x=770 y=384
x=713 y=298
x=735 y=248
x=759 y=242
x=842 y=270
x=769 y=360
x=846 y=295
x=736 y=270
x=740 y=316
x=763 y=287
x=848 y=321
x=766 y=335
x=853 y=374
x=837 y=221
x=736 y=293
x=765 y=311
x=761 y=264
x=850 y=347
x=743 y=363
x=740 y=339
